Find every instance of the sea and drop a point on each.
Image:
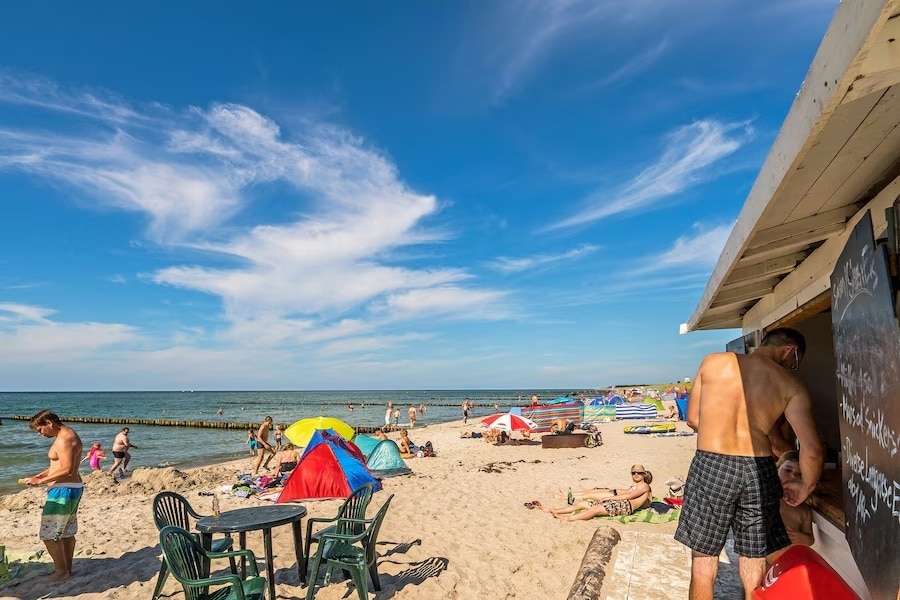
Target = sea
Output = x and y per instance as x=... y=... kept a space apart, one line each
x=23 y=453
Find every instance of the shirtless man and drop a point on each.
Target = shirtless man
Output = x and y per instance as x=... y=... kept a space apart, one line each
x=59 y=522
x=120 y=451
x=733 y=483
x=411 y=413
x=264 y=450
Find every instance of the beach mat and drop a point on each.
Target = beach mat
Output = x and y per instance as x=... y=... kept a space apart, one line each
x=649 y=516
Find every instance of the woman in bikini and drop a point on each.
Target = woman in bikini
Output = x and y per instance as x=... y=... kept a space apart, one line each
x=286 y=460
x=608 y=502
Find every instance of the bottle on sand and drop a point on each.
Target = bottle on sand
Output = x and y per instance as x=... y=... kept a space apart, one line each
x=570 y=498
x=215 y=505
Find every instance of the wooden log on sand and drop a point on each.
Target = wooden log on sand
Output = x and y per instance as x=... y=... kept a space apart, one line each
x=589 y=580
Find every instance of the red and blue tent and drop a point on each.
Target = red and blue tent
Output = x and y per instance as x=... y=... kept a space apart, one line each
x=331 y=467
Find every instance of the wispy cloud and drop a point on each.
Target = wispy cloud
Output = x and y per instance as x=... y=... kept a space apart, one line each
x=700 y=249
x=634 y=66
x=689 y=154
x=29 y=332
x=332 y=270
x=516 y=40
x=514 y=265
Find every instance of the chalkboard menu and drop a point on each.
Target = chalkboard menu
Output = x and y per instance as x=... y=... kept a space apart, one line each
x=867 y=353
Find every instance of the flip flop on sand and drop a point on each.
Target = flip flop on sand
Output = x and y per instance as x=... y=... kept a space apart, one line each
x=532 y=504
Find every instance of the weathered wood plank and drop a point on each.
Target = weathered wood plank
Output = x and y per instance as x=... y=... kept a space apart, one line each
x=864 y=150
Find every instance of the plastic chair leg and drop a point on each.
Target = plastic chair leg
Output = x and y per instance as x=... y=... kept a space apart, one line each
x=359 y=580
x=313 y=575
x=161 y=579
x=329 y=569
x=234 y=570
x=373 y=572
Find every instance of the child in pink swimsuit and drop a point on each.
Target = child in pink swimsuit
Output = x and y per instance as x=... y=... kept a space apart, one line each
x=94 y=455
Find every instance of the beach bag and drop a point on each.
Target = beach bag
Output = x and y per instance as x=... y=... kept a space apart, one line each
x=427 y=449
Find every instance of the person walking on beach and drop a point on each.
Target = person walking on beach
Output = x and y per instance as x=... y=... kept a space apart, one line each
x=465 y=410
x=733 y=483
x=59 y=521
x=120 y=452
x=263 y=449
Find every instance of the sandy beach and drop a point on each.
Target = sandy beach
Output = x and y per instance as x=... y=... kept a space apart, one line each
x=457 y=528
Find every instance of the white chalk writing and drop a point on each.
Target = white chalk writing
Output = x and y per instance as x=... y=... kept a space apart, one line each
x=858 y=278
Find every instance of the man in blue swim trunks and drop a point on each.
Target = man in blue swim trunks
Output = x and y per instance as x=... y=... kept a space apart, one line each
x=59 y=521
x=733 y=484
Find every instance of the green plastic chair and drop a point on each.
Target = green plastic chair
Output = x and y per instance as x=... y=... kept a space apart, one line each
x=351 y=552
x=170 y=508
x=354 y=507
x=189 y=562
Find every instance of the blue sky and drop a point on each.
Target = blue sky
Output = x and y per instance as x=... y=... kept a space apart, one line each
x=344 y=195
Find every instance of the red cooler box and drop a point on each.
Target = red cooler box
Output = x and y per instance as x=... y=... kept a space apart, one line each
x=801 y=574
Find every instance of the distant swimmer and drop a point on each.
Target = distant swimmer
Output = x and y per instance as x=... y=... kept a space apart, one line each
x=221 y=411
x=349 y=408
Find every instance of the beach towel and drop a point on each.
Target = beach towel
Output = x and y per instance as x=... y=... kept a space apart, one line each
x=649 y=516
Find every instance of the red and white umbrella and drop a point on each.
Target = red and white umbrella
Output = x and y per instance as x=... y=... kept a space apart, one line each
x=508 y=422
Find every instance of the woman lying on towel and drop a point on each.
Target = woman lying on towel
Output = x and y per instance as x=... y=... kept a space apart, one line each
x=608 y=502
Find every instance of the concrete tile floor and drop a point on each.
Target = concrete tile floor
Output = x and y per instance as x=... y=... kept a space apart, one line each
x=653 y=566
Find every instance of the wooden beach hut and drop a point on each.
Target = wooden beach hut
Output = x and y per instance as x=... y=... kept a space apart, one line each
x=804 y=254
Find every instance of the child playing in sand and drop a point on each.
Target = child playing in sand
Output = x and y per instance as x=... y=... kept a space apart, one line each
x=797 y=519
x=94 y=455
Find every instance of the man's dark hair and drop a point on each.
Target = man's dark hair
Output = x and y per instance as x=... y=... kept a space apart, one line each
x=44 y=417
x=784 y=336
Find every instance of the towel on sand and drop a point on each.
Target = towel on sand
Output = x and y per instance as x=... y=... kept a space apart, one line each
x=648 y=515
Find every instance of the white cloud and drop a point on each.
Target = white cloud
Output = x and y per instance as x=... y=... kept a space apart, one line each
x=519 y=37
x=700 y=249
x=28 y=335
x=689 y=155
x=635 y=65
x=514 y=265
x=329 y=270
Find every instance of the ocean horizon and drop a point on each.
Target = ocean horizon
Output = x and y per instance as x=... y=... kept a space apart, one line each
x=23 y=453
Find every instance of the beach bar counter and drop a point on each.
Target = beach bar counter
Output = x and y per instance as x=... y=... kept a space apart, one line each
x=816 y=248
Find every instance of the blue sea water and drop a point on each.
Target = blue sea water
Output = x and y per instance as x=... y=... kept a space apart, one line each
x=23 y=453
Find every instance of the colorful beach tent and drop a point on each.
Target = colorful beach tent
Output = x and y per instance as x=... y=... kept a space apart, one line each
x=655 y=402
x=615 y=399
x=382 y=457
x=331 y=467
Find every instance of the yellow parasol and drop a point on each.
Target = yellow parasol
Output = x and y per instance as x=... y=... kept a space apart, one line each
x=301 y=431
